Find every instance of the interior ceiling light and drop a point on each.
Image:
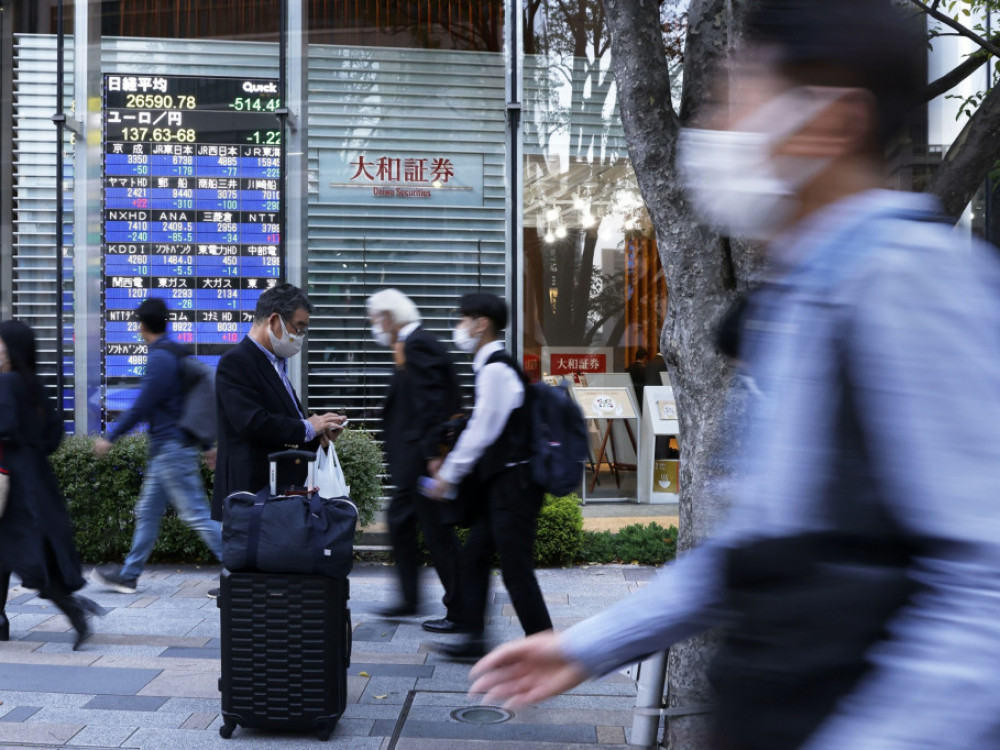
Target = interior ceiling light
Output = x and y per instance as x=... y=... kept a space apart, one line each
x=560 y=231
x=552 y=214
x=550 y=237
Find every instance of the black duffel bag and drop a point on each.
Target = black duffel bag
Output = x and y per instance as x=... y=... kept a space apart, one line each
x=294 y=533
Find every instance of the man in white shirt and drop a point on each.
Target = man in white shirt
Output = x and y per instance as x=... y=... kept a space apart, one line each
x=493 y=451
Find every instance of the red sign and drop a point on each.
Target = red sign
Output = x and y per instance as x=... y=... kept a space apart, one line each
x=533 y=367
x=567 y=364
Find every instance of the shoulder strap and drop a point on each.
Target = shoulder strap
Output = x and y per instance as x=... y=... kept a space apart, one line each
x=505 y=358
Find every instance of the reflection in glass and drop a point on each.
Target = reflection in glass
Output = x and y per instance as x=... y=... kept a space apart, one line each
x=593 y=284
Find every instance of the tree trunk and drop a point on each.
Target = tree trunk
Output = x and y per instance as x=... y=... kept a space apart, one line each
x=701 y=276
x=970 y=158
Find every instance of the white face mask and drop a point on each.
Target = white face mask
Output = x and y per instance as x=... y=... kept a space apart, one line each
x=464 y=341
x=289 y=344
x=381 y=336
x=732 y=177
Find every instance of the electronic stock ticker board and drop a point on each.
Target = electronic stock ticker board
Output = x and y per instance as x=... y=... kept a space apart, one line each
x=192 y=206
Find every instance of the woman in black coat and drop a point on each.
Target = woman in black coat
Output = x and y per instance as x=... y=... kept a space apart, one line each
x=36 y=535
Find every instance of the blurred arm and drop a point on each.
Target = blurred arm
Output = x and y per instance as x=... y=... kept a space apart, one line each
x=684 y=599
x=158 y=381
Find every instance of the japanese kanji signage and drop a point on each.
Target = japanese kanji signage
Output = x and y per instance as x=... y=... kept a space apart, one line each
x=567 y=364
x=374 y=177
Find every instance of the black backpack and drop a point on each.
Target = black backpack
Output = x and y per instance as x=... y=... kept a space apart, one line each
x=559 y=438
x=197 y=418
x=559 y=441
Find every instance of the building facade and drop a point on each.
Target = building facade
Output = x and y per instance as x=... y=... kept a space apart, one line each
x=201 y=151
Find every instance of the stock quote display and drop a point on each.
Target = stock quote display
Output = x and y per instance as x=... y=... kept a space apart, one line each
x=192 y=206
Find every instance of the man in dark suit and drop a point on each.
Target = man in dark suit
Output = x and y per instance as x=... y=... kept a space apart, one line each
x=258 y=410
x=423 y=395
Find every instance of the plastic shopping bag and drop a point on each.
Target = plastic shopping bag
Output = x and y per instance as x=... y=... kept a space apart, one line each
x=329 y=474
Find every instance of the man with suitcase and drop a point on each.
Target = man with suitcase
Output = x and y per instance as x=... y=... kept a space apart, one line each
x=258 y=410
x=423 y=395
x=172 y=474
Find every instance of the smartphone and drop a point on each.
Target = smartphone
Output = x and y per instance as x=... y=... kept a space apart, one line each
x=426 y=485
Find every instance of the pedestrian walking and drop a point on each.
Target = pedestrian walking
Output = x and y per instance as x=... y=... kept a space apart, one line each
x=36 y=534
x=494 y=449
x=173 y=475
x=859 y=571
x=424 y=394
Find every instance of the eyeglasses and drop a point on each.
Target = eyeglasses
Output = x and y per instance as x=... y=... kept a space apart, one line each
x=297 y=330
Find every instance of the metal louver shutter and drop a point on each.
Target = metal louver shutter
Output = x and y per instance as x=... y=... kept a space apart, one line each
x=404 y=102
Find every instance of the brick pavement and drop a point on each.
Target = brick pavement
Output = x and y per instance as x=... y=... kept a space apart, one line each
x=148 y=677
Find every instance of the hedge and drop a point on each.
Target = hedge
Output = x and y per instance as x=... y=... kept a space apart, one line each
x=649 y=544
x=102 y=493
x=560 y=531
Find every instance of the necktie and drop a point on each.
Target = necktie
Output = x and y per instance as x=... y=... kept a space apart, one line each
x=280 y=365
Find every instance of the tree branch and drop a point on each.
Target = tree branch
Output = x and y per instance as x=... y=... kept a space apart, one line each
x=934 y=13
x=954 y=77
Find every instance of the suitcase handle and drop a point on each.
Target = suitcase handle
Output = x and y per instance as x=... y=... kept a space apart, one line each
x=308 y=456
x=280 y=455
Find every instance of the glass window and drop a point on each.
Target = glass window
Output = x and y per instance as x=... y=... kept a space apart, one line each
x=593 y=285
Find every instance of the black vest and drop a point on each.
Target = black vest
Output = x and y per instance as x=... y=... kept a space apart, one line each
x=514 y=444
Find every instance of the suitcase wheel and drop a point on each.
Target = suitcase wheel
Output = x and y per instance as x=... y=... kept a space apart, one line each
x=226 y=730
x=323 y=734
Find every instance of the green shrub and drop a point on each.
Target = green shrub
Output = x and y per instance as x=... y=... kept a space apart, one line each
x=560 y=531
x=649 y=544
x=361 y=458
x=597 y=547
x=102 y=494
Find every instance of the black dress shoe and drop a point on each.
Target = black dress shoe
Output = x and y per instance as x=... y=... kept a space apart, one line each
x=473 y=647
x=4 y=627
x=444 y=625
x=397 y=610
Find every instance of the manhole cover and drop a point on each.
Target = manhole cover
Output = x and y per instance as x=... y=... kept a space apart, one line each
x=481 y=715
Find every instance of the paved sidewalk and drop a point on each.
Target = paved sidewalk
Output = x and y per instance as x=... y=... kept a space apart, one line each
x=148 y=677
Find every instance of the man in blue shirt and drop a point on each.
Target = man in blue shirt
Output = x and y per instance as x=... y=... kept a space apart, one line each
x=172 y=474
x=859 y=572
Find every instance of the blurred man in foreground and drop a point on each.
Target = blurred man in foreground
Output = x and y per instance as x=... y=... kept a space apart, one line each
x=859 y=572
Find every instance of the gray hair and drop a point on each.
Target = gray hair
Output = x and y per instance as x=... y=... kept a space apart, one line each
x=283 y=299
x=396 y=304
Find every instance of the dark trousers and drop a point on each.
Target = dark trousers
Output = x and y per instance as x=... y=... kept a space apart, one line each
x=408 y=509
x=505 y=526
x=4 y=585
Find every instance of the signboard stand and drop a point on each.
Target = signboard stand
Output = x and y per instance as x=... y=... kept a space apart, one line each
x=607 y=405
x=657 y=478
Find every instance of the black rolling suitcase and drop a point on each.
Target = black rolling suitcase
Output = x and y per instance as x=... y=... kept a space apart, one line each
x=286 y=647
